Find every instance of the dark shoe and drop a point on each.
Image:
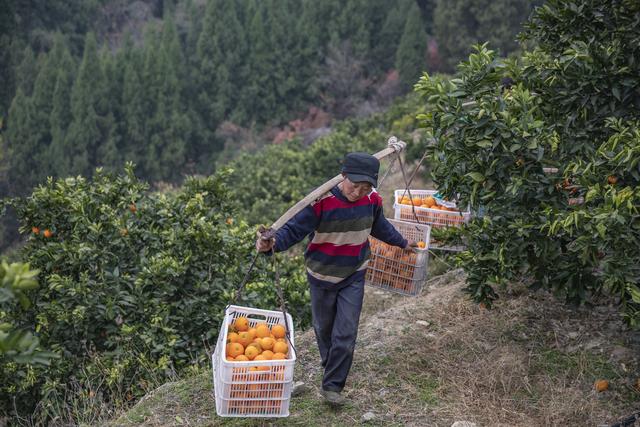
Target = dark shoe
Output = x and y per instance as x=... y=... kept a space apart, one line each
x=333 y=398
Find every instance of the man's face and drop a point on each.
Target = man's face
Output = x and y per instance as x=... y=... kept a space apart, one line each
x=355 y=191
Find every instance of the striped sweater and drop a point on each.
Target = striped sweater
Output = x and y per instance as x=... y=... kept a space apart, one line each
x=338 y=251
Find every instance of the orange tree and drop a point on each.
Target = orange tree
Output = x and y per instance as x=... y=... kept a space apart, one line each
x=569 y=104
x=133 y=285
x=18 y=345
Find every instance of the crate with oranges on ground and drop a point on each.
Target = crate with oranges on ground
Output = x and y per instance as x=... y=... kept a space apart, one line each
x=428 y=209
x=396 y=269
x=253 y=363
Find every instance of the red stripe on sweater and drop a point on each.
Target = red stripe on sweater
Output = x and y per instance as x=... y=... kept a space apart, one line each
x=336 y=250
x=332 y=202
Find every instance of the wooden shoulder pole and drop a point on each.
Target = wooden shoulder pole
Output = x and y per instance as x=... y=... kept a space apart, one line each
x=394 y=146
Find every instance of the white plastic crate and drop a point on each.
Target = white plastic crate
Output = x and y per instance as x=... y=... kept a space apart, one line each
x=433 y=217
x=262 y=398
x=268 y=389
x=252 y=407
x=396 y=269
x=253 y=388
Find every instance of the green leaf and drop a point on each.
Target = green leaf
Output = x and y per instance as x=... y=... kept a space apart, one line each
x=476 y=176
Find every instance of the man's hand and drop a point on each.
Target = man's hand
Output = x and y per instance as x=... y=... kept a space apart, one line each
x=264 y=245
x=411 y=245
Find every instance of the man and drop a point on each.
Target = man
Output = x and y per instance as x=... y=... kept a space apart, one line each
x=336 y=260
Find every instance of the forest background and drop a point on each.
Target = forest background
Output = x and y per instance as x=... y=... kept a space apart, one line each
x=182 y=87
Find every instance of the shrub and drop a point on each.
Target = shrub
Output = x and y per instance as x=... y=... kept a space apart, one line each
x=134 y=285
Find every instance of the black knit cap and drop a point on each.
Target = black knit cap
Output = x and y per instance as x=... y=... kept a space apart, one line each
x=361 y=167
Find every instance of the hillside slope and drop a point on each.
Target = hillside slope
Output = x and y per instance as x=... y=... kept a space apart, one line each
x=438 y=358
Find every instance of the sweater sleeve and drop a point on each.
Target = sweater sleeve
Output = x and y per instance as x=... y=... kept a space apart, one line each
x=383 y=230
x=296 y=229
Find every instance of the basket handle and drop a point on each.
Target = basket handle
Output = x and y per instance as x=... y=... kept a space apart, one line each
x=283 y=306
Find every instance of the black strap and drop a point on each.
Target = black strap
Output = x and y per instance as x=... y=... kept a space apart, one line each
x=408 y=184
x=283 y=305
x=381 y=180
x=237 y=293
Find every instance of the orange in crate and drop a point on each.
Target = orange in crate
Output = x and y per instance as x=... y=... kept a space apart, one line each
x=395 y=269
x=260 y=387
x=427 y=211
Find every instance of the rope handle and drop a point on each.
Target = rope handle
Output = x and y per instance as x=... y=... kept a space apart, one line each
x=266 y=234
x=408 y=185
x=283 y=306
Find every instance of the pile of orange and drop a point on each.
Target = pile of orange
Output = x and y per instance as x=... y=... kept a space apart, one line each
x=435 y=219
x=260 y=342
x=392 y=267
x=427 y=202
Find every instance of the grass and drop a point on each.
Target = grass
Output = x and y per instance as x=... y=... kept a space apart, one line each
x=515 y=365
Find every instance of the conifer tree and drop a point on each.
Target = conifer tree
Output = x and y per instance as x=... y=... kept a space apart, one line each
x=260 y=93
x=278 y=21
x=219 y=53
x=61 y=116
x=166 y=146
x=308 y=48
x=43 y=92
x=107 y=153
x=412 y=50
x=84 y=134
x=27 y=71
x=384 y=48
x=458 y=24
x=23 y=145
x=134 y=112
x=352 y=25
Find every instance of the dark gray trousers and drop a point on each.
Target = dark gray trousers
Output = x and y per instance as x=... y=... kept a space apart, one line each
x=336 y=314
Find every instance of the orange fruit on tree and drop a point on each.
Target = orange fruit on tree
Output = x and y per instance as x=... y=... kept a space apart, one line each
x=241 y=324
x=251 y=352
x=267 y=343
x=35 y=230
x=234 y=349
x=280 y=347
x=262 y=330
x=244 y=338
x=612 y=179
x=133 y=208
x=242 y=358
x=278 y=331
x=601 y=385
x=47 y=233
